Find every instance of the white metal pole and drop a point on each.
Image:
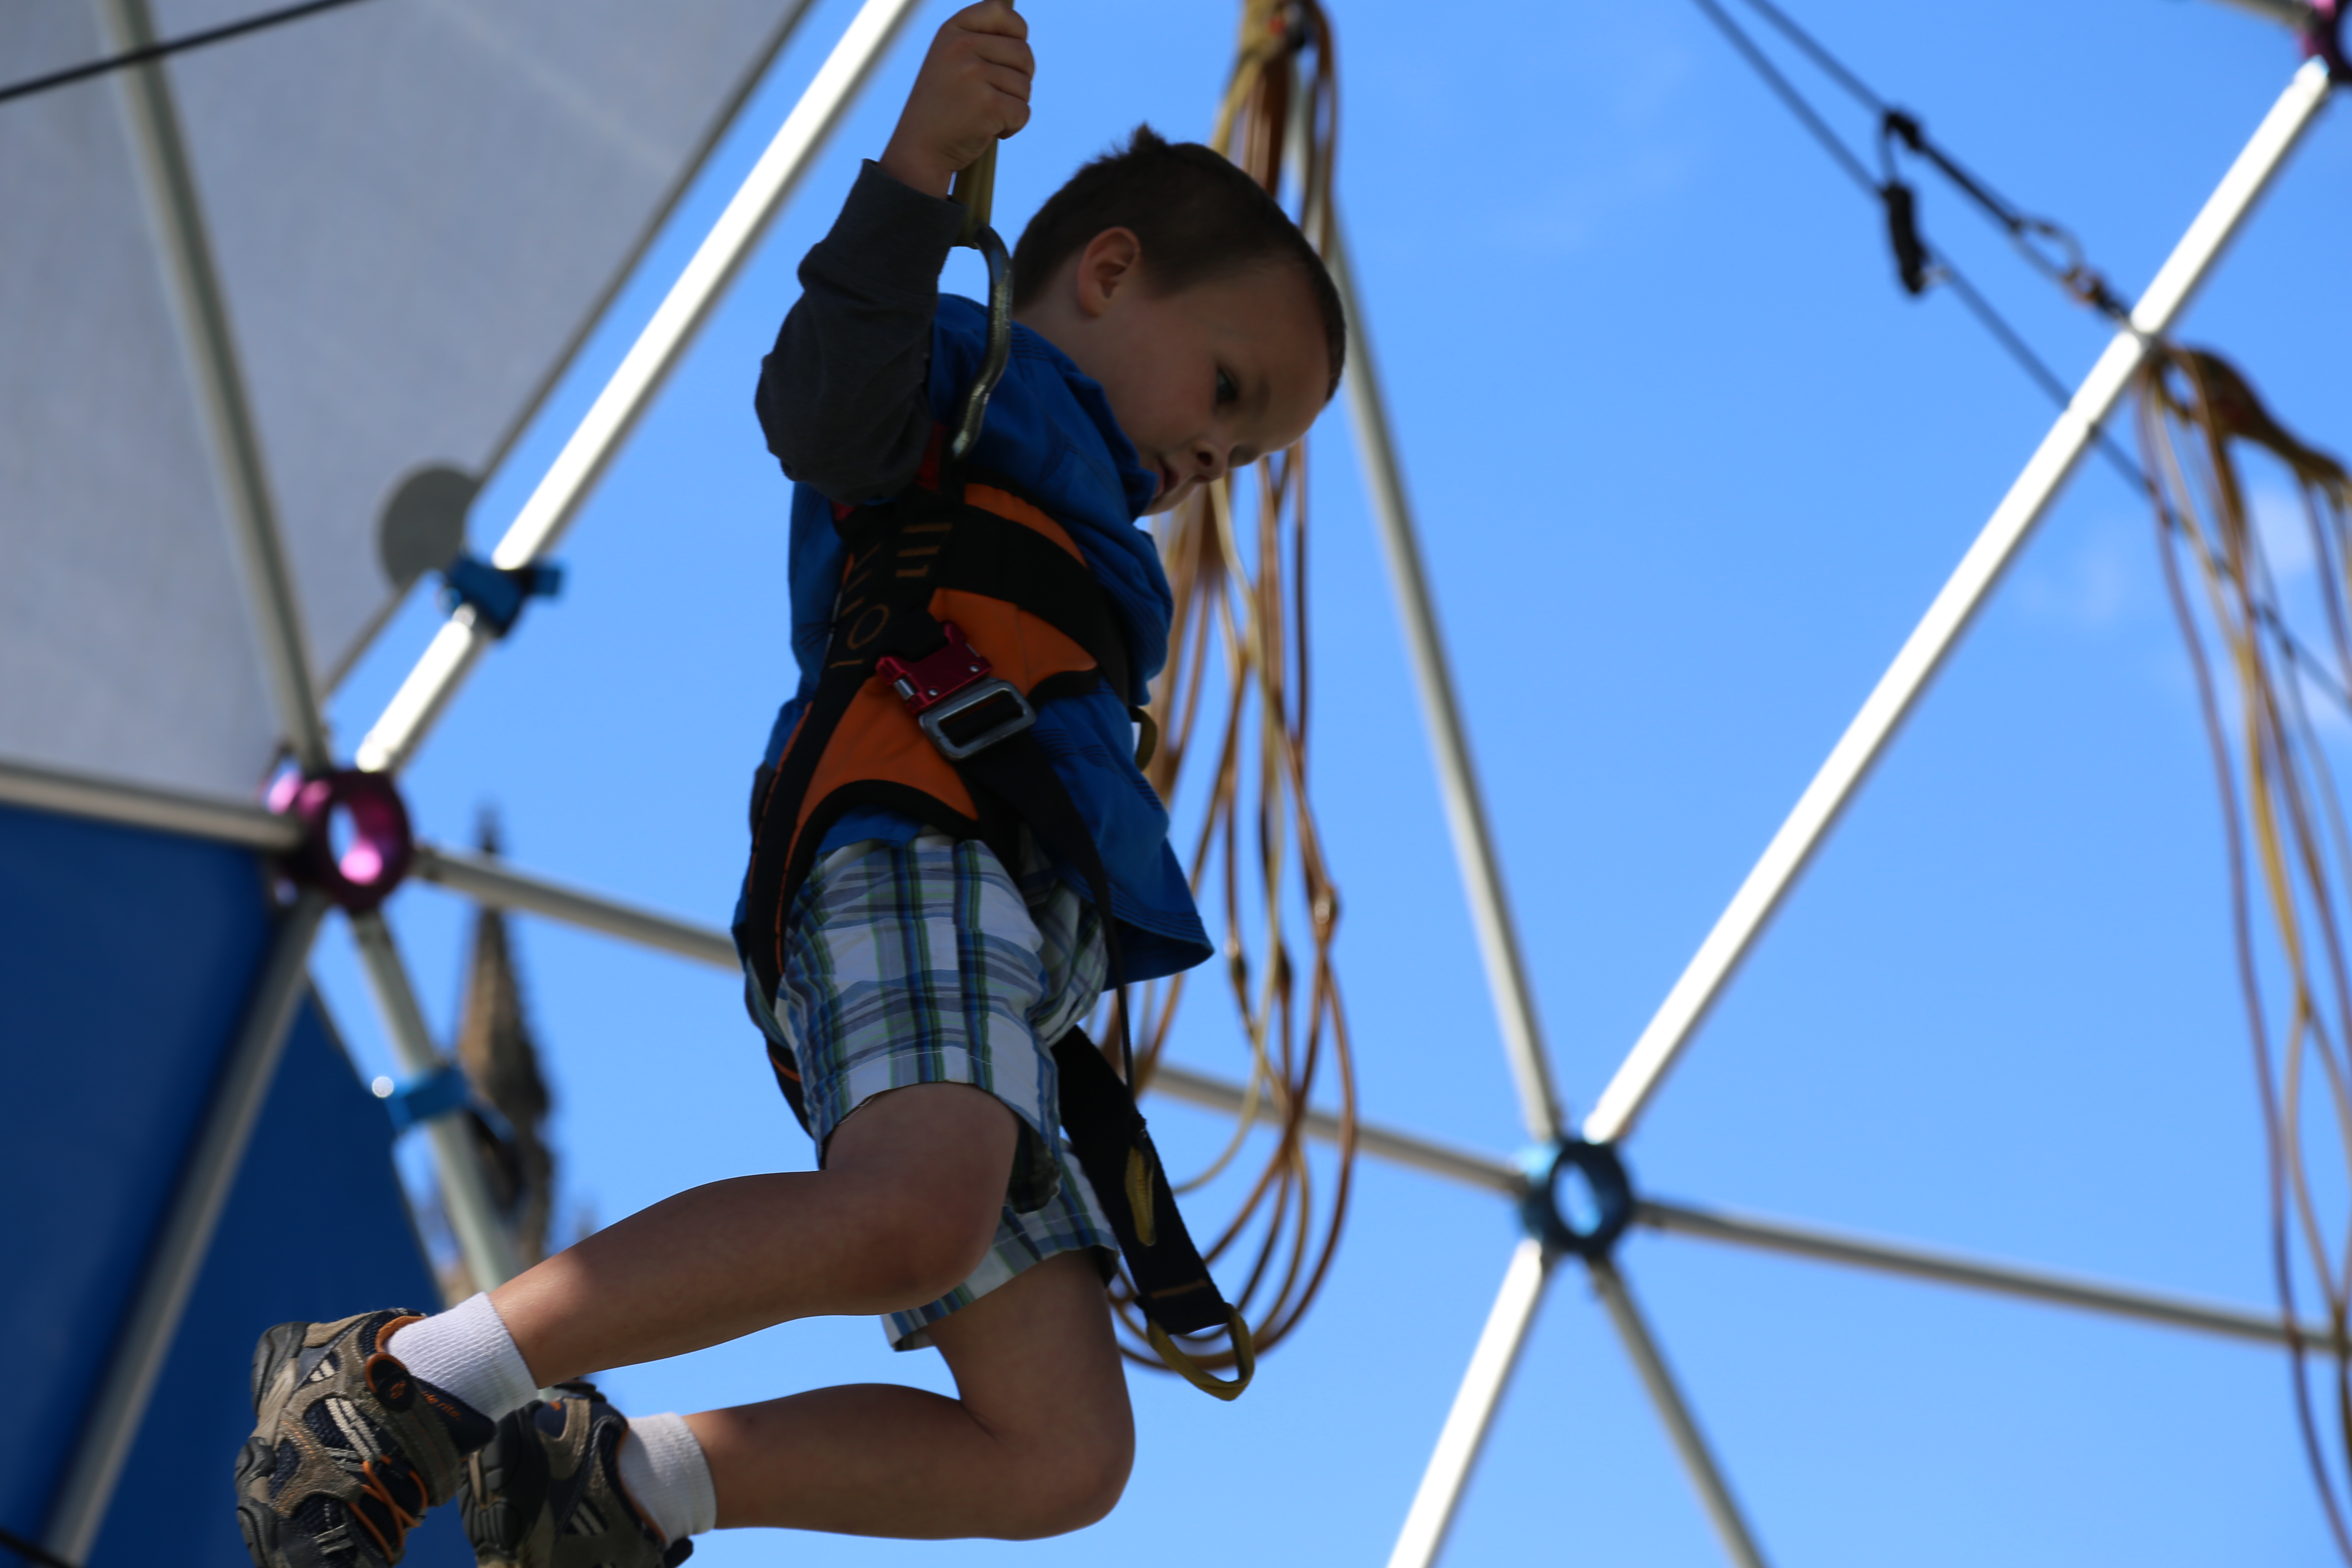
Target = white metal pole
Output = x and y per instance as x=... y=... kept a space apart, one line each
x=746 y=86
x=1433 y=1506
x=185 y=1237
x=483 y=1239
x=226 y=413
x=1465 y=811
x=1682 y=1427
x=1817 y=809
x=136 y=805
x=1949 y=1269
x=573 y=474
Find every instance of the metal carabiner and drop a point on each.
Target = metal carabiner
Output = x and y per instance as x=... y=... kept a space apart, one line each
x=974 y=187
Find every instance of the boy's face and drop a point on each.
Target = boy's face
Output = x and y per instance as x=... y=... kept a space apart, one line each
x=1203 y=380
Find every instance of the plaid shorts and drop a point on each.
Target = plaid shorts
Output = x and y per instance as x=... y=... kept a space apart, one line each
x=927 y=962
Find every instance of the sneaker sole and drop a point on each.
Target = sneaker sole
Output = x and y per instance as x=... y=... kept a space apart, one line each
x=256 y=1519
x=513 y=1476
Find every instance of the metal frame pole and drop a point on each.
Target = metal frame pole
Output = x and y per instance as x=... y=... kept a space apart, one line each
x=2294 y=14
x=1465 y=811
x=1681 y=1427
x=1506 y=1178
x=1465 y=1165
x=483 y=1239
x=136 y=805
x=497 y=886
x=185 y=1237
x=227 y=414
x=598 y=438
x=1939 y=630
x=1464 y=1433
x=1947 y=1268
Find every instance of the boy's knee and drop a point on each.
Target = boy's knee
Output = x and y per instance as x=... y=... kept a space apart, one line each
x=1072 y=1487
x=928 y=1166
x=922 y=1245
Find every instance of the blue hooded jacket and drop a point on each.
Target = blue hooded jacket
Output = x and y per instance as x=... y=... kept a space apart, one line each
x=1050 y=431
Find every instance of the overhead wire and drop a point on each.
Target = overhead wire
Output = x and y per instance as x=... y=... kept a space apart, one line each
x=1923 y=266
x=164 y=46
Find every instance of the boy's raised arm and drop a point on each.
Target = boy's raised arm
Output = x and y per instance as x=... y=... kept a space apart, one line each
x=841 y=397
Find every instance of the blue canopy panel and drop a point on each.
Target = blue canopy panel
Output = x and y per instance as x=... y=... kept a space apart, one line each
x=125 y=960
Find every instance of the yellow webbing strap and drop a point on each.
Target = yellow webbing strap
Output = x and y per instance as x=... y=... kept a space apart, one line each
x=1185 y=1367
x=1139 y=1197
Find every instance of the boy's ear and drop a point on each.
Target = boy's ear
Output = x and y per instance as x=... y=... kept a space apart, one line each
x=1112 y=261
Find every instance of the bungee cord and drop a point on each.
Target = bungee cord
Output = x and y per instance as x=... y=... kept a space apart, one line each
x=2282 y=811
x=1236 y=692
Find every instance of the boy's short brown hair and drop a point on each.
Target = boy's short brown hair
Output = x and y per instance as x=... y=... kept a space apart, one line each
x=1199 y=218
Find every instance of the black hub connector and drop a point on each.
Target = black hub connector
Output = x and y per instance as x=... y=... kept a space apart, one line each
x=1579 y=1200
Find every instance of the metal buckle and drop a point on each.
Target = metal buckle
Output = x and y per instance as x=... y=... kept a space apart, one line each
x=945 y=687
x=939 y=714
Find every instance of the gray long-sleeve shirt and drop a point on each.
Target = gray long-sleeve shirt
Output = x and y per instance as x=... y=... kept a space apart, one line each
x=841 y=396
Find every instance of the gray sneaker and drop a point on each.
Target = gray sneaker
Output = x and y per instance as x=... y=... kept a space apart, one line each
x=347 y=1449
x=546 y=1491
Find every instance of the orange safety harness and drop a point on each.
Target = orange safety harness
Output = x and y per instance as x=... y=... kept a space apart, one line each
x=962 y=605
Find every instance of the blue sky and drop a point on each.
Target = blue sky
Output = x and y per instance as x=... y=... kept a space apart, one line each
x=1688 y=465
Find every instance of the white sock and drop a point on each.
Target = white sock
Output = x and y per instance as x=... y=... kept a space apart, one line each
x=467 y=1352
x=663 y=1467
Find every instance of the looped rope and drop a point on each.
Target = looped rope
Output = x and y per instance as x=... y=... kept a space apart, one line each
x=2282 y=811
x=1238 y=574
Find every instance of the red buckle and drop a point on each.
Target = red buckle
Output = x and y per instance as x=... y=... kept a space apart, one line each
x=929 y=681
x=960 y=706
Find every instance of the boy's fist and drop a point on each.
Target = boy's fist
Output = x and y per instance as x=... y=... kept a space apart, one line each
x=973 y=90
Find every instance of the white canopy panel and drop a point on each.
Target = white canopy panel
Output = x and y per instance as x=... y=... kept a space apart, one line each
x=414 y=207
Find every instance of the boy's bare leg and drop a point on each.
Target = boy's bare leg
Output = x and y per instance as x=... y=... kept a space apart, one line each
x=904 y=1210
x=1039 y=1443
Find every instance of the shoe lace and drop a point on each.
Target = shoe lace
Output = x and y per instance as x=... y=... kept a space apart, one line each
x=399 y=1519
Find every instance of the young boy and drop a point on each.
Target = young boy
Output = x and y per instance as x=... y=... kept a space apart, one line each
x=1172 y=325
